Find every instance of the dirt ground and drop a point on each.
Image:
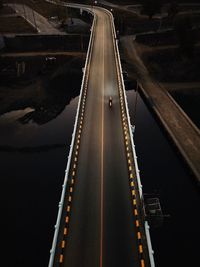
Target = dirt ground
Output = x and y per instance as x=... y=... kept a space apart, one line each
x=5 y=10
x=15 y=24
x=166 y=64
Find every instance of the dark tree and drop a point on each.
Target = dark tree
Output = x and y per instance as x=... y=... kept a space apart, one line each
x=172 y=10
x=151 y=7
x=185 y=34
x=1 y=3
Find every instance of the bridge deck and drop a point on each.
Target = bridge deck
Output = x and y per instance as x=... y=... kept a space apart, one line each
x=101 y=222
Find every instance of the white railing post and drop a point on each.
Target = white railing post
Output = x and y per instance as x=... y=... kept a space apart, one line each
x=64 y=186
x=146 y=226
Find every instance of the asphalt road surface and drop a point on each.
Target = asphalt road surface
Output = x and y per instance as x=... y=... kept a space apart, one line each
x=100 y=227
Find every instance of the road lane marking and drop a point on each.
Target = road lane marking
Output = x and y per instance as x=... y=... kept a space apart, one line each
x=63 y=244
x=142 y=263
x=139 y=235
x=67 y=219
x=102 y=161
x=61 y=258
x=65 y=231
x=128 y=156
x=76 y=150
x=135 y=212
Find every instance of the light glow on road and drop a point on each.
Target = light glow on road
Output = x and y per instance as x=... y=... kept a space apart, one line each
x=127 y=146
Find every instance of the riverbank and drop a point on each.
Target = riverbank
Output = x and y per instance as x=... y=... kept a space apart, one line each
x=179 y=127
x=30 y=82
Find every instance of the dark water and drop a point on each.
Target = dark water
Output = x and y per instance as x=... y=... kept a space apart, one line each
x=189 y=101
x=33 y=159
x=163 y=172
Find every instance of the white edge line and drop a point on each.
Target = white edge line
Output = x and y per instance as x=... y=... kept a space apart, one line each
x=150 y=250
x=57 y=226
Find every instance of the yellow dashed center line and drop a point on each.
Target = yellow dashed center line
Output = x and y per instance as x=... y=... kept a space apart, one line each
x=139 y=235
x=63 y=244
x=142 y=263
x=61 y=258
x=135 y=212
x=65 y=231
x=67 y=219
x=140 y=249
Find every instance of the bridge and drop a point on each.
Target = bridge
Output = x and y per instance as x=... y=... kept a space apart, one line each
x=101 y=220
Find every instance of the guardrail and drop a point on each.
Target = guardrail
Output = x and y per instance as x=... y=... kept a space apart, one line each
x=57 y=225
x=147 y=227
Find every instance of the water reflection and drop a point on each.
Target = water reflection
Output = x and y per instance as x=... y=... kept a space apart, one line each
x=36 y=123
x=163 y=172
x=33 y=117
x=33 y=161
x=30 y=135
x=42 y=92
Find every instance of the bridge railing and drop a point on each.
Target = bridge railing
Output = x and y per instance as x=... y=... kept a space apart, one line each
x=53 y=249
x=147 y=232
x=64 y=186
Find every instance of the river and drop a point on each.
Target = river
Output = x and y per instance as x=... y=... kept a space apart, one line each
x=33 y=161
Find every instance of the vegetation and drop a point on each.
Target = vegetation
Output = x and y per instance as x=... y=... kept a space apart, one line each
x=16 y=25
x=185 y=34
x=151 y=7
x=172 y=10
